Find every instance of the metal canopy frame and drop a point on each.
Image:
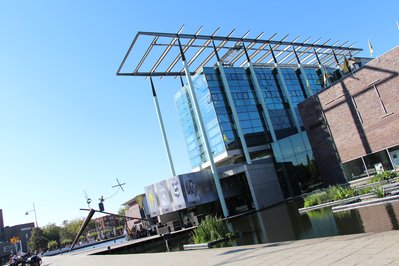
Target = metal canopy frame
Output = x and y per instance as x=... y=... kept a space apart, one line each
x=199 y=51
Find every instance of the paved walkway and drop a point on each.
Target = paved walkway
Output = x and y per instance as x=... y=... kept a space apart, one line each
x=360 y=249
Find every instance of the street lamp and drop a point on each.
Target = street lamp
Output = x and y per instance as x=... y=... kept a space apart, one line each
x=34 y=210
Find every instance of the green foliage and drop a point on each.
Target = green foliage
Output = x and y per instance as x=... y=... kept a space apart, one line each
x=385 y=175
x=107 y=230
x=316 y=198
x=70 y=229
x=319 y=214
x=339 y=193
x=66 y=242
x=379 y=192
x=335 y=193
x=210 y=229
x=52 y=232
x=330 y=194
x=93 y=234
x=37 y=240
x=52 y=244
x=122 y=212
x=364 y=190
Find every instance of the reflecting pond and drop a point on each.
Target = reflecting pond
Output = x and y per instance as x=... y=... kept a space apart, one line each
x=283 y=222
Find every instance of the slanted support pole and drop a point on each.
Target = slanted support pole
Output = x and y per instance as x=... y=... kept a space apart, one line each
x=266 y=115
x=259 y=97
x=285 y=91
x=337 y=64
x=303 y=75
x=232 y=107
x=82 y=228
x=162 y=127
x=203 y=132
x=327 y=81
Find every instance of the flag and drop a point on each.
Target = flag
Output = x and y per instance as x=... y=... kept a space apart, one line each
x=345 y=65
x=308 y=86
x=225 y=138
x=325 y=78
x=371 y=49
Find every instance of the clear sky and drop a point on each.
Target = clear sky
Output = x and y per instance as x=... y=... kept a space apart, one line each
x=68 y=124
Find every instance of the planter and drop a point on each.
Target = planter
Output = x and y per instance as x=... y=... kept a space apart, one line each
x=365 y=203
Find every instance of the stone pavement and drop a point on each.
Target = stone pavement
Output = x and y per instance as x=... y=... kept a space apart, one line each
x=359 y=249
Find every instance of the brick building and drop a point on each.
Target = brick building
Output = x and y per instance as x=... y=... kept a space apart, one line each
x=352 y=126
x=107 y=222
x=22 y=231
x=137 y=208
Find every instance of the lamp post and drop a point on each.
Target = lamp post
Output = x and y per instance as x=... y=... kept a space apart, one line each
x=34 y=210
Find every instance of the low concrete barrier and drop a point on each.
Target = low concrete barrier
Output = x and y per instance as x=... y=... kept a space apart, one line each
x=365 y=203
x=204 y=245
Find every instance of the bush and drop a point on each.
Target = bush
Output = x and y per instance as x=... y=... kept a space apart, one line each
x=66 y=242
x=210 y=229
x=316 y=198
x=379 y=192
x=338 y=192
x=51 y=245
x=93 y=235
x=364 y=190
x=330 y=194
x=385 y=175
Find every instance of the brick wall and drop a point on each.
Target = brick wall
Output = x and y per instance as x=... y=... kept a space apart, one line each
x=322 y=144
x=354 y=110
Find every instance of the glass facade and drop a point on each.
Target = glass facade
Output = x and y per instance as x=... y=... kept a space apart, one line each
x=292 y=151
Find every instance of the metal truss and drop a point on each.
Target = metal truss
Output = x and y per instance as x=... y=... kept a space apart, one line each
x=157 y=53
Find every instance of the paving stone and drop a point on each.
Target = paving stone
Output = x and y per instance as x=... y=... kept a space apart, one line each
x=360 y=249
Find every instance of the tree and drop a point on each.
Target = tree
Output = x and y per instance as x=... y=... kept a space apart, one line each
x=37 y=241
x=51 y=245
x=52 y=232
x=122 y=212
x=71 y=229
x=66 y=242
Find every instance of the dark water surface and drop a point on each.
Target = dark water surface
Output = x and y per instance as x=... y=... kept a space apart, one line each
x=283 y=222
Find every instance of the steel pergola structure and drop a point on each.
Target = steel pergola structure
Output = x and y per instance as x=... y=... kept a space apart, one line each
x=157 y=53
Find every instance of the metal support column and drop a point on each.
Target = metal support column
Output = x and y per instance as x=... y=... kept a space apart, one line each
x=260 y=99
x=323 y=71
x=303 y=74
x=390 y=159
x=365 y=166
x=285 y=91
x=233 y=108
x=266 y=114
x=162 y=127
x=203 y=132
x=337 y=63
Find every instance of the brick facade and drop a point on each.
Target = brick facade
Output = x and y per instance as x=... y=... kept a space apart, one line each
x=361 y=113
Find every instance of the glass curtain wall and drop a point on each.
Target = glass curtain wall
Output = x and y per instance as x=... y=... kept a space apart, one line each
x=196 y=149
x=244 y=98
x=294 y=152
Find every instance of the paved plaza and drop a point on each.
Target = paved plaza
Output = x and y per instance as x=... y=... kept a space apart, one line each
x=359 y=249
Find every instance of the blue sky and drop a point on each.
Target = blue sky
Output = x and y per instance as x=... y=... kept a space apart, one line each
x=68 y=124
